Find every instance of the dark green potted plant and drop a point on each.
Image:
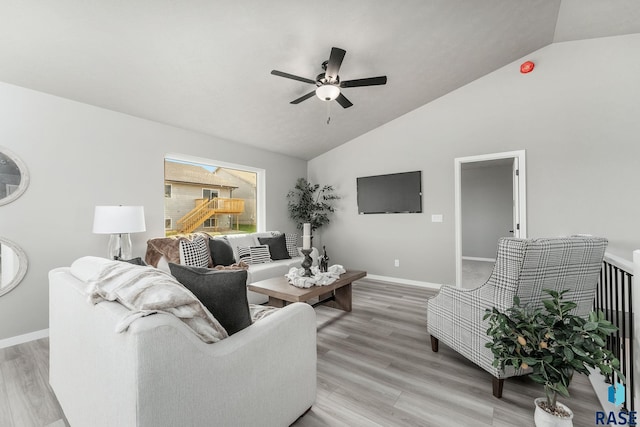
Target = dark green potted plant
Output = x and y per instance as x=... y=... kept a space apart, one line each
x=553 y=343
x=310 y=203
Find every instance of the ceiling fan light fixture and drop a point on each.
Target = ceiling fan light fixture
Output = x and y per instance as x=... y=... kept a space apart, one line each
x=328 y=84
x=327 y=92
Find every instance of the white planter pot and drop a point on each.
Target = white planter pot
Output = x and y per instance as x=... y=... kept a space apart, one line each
x=544 y=419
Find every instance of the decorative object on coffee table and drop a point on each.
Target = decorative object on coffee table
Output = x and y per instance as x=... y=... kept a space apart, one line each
x=306 y=263
x=306 y=249
x=306 y=236
x=297 y=278
x=323 y=261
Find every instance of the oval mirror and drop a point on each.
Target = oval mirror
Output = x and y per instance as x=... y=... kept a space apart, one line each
x=14 y=177
x=13 y=265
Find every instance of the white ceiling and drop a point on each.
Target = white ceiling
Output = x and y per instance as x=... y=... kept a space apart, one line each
x=205 y=65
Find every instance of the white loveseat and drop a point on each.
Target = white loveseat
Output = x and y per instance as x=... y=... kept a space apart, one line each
x=159 y=373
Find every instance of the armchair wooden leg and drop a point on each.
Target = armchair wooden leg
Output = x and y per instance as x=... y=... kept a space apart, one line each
x=434 y=344
x=497 y=387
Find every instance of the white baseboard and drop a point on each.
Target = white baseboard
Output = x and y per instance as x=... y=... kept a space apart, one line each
x=404 y=281
x=474 y=258
x=20 y=339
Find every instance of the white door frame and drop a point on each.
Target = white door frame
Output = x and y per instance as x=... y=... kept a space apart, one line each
x=521 y=198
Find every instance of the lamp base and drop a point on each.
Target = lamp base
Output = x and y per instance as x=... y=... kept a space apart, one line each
x=119 y=246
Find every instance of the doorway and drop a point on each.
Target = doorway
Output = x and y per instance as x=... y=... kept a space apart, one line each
x=490 y=202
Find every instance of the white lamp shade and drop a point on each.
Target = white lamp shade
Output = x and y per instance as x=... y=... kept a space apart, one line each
x=118 y=219
x=328 y=92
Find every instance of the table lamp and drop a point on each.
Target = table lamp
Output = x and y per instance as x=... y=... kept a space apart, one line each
x=119 y=221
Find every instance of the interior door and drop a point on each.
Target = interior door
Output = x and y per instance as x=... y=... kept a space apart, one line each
x=518 y=225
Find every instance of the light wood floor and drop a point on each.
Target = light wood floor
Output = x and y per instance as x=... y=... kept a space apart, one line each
x=25 y=396
x=375 y=368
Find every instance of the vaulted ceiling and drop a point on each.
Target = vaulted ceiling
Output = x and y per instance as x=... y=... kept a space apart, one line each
x=205 y=65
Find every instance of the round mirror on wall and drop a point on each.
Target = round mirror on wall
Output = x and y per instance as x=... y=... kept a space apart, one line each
x=14 y=177
x=13 y=265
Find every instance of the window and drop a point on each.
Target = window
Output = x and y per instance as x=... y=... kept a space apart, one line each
x=208 y=193
x=190 y=184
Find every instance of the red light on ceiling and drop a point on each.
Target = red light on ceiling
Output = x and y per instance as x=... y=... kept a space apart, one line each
x=527 y=67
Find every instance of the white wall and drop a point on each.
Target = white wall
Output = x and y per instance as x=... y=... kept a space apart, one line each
x=80 y=156
x=577 y=116
x=487 y=208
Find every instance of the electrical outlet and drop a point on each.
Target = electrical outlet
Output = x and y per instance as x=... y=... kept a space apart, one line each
x=396 y=263
x=436 y=218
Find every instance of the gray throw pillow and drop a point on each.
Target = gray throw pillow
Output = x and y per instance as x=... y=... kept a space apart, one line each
x=221 y=252
x=277 y=246
x=223 y=292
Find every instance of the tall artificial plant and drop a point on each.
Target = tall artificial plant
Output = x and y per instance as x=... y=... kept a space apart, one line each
x=310 y=203
x=552 y=342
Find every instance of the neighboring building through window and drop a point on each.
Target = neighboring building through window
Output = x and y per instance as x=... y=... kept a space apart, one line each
x=214 y=199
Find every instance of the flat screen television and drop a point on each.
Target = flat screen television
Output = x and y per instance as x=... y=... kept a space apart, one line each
x=392 y=193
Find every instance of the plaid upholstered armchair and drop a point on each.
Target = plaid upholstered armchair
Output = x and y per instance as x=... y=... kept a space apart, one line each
x=524 y=267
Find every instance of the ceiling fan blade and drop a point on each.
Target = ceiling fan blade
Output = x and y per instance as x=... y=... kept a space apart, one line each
x=303 y=97
x=370 y=81
x=335 y=61
x=291 y=76
x=342 y=100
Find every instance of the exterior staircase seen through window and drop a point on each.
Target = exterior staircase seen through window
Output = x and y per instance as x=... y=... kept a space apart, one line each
x=207 y=208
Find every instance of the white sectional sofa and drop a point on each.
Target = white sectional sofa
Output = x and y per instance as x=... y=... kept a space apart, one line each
x=159 y=373
x=257 y=272
x=268 y=270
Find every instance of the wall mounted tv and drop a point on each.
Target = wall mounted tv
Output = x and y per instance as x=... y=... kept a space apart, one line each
x=393 y=193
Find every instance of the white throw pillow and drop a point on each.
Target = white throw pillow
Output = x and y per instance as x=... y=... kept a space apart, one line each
x=194 y=253
x=241 y=240
x=254 y=254
x=260 y=254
